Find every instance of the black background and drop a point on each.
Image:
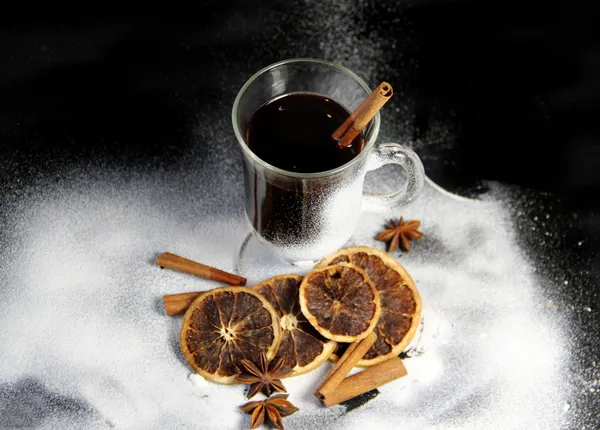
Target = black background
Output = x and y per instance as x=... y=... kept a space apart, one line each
x=518 y=80
x=517 y=83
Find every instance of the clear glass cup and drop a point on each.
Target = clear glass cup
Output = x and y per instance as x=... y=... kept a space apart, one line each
x=302 y=217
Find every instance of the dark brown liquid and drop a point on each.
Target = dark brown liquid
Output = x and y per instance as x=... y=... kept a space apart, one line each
x=294 y=132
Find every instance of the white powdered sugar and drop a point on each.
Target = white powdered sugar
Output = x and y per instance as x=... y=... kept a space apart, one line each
x=82 y=312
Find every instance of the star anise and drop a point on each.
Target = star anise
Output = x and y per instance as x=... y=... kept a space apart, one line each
x=273 y=409
x=265 y=378
x=400 y=233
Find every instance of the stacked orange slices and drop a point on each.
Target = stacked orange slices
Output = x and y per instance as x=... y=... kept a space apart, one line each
x=304 y=320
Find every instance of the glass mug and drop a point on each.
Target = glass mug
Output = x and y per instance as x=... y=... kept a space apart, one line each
x=304 y=216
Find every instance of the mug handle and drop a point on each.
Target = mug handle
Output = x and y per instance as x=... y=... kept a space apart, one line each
x=394 y=153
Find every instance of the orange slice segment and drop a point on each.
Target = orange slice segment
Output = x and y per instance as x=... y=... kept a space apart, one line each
x=400 y=300
x=224 y=326
x=341 y=302
x=302 y=347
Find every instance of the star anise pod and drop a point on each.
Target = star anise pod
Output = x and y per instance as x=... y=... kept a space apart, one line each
x=266 y=377
x=400 y=233
x=273 y=409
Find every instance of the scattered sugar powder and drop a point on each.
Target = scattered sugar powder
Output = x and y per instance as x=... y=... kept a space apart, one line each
x=82 y=315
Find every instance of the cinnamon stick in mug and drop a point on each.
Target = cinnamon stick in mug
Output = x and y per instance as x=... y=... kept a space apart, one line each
x=361 y=116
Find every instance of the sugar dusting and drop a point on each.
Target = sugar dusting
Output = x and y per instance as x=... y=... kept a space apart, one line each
x=82 y=313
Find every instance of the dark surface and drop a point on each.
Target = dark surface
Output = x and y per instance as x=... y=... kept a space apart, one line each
x=506 y=91
x=28 y=404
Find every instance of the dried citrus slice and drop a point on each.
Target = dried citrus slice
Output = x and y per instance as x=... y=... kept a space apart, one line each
x=400 y=300
x=302 y=347
x=224 y=326
x=341 y=302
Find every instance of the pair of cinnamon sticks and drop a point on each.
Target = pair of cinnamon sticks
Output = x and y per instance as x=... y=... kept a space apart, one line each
x=337 y=387
x=176 y=304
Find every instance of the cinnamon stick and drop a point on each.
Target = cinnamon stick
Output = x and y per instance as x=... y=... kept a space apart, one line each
x=353 y=354
x=176 y=304
x=361 y=116
x=362 y=382
x=339 y=363
x=175 y=262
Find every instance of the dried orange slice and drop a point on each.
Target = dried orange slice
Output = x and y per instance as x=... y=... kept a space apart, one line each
x=224 y=326
x=302 y=347
x=341 y=302
x=400 y=300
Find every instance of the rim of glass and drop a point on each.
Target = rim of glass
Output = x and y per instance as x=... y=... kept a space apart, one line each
x=373 y=132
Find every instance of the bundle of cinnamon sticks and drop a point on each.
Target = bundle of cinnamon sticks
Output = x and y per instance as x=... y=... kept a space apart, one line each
x=176 y=304
x=338 y=387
